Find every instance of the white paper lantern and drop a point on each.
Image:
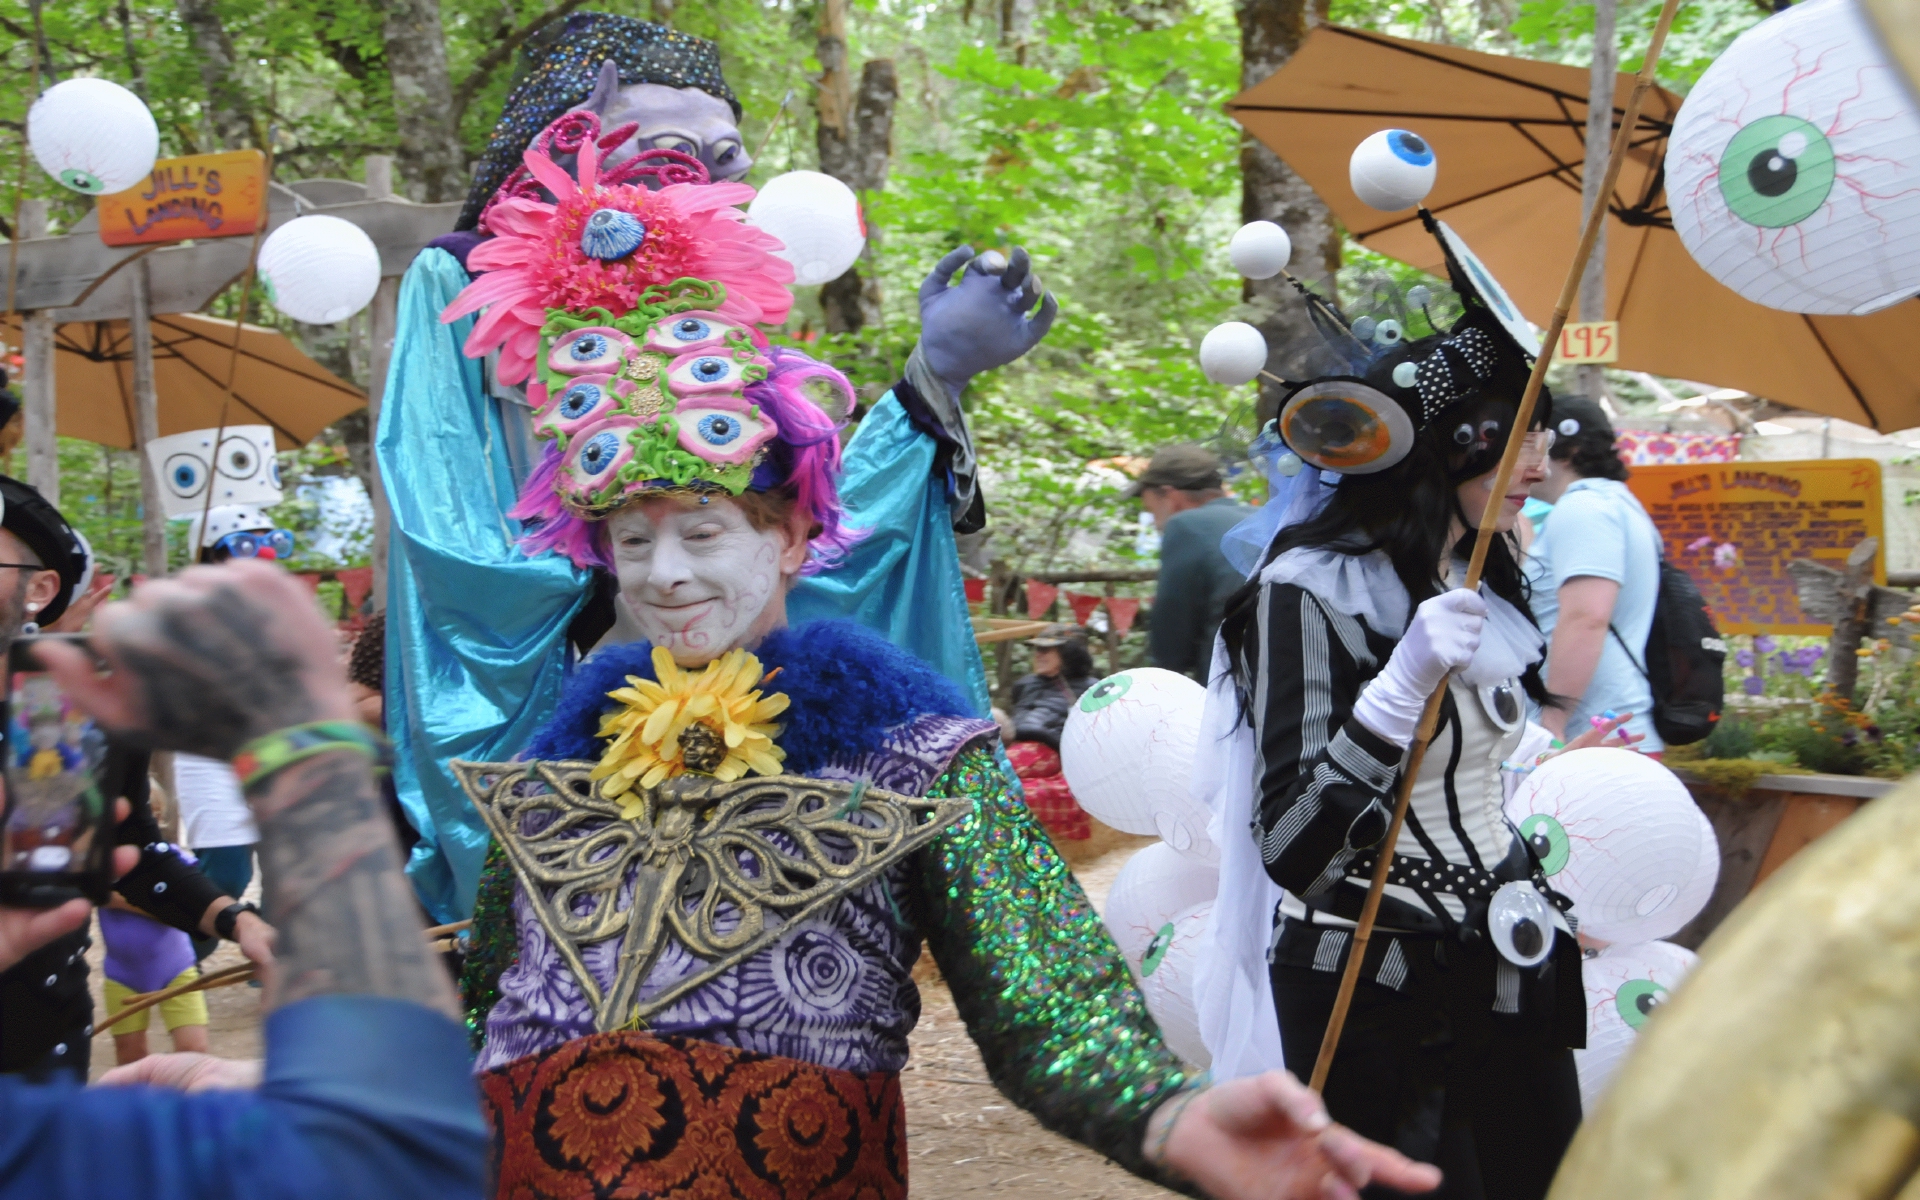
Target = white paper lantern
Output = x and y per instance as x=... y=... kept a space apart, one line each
x=1151 y=887
x=93 y=135
x=321 y=269
x=1232 y=353
x=1392 y=170
x=1620 y=836
x=1790 y=172
x=1260 y=250
x=1127 y=752
x=1624 y=984
x=1166 y=978
x=818 y=221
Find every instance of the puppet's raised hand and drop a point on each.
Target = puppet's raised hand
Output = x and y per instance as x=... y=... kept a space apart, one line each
x=986 y=320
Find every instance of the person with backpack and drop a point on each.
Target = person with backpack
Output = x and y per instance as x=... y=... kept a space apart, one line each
x=1594 y=573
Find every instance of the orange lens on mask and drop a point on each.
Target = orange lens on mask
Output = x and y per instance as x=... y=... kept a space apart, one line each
x=1345 y=426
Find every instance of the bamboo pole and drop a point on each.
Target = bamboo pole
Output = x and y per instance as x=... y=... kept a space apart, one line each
x=1483 y=540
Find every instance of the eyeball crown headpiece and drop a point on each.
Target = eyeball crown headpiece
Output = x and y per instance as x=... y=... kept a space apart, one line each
x=630 y=314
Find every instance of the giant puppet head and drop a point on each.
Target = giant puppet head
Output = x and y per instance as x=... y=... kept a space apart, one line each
x=658 y=88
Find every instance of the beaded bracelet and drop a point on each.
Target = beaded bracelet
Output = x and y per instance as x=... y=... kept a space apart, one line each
x=1174 y=1108
x=264 y=755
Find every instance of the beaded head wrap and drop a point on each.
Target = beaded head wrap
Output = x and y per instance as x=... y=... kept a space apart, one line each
x=558 y=69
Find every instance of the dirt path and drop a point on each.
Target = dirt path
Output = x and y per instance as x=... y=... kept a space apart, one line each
x=963 y=1135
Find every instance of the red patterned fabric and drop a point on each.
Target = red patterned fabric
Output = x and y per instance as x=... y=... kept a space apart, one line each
x=626 y=1116
x=1048 y=795
x=1646 y=447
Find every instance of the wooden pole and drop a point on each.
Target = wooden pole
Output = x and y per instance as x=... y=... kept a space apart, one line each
x=1591 y=379
x=146 y=419
x=382 y=321
x=37 y=389
x=1483 y=541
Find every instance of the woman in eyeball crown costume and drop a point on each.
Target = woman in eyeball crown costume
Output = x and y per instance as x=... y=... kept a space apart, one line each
x=716 y=862
x=1457 y=1047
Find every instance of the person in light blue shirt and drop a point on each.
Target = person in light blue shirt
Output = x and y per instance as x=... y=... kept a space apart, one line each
x=1594 y=570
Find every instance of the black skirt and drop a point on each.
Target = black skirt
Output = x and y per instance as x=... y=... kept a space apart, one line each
x=1430 y=1069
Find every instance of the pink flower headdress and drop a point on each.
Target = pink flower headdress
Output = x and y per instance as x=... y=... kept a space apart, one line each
x=622 y=248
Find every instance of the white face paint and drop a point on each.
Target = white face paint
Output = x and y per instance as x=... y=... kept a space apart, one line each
x=698 y=578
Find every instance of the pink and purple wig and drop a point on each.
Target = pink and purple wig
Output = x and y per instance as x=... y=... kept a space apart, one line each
x=808 y=400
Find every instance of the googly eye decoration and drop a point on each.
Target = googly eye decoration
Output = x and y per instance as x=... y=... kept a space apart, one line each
x=1625 y=986
x=1406 y=374
x=1569 y=427
x=594 y=350
x=1342 y=425
x=1640 y=860
x=1128 y=753
x=723 y=435
x=1363 y=328
x=1521 y=923
x=1387 y=334
x=690 y=331
x=1791 y=172
x=1393 y=170
x=244 y=470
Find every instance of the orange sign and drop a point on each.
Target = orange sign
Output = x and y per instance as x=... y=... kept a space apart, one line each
x=200 y=196
x=1735 y=526
x=1589 y=342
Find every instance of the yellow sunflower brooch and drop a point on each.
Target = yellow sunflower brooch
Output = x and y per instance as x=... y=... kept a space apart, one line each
x=712 y=721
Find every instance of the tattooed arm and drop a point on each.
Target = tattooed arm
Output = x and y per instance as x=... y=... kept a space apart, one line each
x=206 y=662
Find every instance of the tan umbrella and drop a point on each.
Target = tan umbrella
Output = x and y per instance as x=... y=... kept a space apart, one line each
x=1511 y=139
x=275 y=383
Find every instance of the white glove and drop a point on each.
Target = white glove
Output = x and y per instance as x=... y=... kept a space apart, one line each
x=1442 y=638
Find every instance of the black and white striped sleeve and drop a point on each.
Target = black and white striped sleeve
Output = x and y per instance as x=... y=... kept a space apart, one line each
x=1325 y=780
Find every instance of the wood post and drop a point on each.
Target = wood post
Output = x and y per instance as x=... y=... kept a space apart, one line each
x=146 y=422
x=1852 y=622
x=381 y=320
x=37 y=388
x=1113 y=639
x=1591 y=378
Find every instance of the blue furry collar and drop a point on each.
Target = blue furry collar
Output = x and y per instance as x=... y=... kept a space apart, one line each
x=846 y=685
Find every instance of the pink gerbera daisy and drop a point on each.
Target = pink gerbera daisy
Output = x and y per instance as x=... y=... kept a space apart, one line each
x=536 y=261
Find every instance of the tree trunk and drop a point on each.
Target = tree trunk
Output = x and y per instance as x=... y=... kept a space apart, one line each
x=1592 y=378
x=219 y=74
x=146 y=410
x=416 y=52
x=1270 y=31
x=37 y=385
x=854 y=134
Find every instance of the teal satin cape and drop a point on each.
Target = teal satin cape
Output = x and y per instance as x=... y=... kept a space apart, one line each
x=476 y=631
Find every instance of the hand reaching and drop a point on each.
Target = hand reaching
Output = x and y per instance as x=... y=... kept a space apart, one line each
x=187 y=1072
x=987 y=320
x=1269 y=1138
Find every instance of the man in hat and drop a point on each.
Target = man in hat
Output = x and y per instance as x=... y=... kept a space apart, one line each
x=46 y=1009
x=1181 y=488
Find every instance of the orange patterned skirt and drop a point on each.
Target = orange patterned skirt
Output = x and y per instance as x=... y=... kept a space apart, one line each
x=630 y=1115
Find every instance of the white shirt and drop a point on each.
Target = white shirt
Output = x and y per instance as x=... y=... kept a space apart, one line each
x=213 y=813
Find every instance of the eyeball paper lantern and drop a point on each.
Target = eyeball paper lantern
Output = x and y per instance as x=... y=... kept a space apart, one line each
x=1157 y=912
x=1127 y=752
x=1233 y=353
x=1260 y=250
x=1790 y=172
x=1618 y=834
x=818 y=221
x=1624 y=984
x=321 y=269
x=1392 y=170
x=93 y=135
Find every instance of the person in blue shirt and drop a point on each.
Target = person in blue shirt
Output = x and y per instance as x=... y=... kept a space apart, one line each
x=1594 y=573
x=365 y=1091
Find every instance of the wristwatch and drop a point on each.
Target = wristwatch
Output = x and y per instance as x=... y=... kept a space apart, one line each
x=228 y=917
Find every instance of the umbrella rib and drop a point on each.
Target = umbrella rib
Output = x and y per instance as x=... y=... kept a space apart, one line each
x=326 y=378
x=244 y=402
x=1873 y=421
x=1409 y=114
x=126 y=407
x=1397 y=44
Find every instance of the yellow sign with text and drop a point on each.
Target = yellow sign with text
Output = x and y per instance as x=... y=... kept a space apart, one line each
x=1735 y=526
x=200 y=196
x=1589 y=342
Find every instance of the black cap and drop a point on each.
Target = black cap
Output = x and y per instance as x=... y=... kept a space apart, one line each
x=1188 y=467
x=1575 y=415
x=30 y=518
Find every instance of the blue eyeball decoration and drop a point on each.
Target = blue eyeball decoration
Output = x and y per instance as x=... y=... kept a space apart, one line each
x=610 y=234
x=1393 y=170
x=690 y=329
x=724 y=435
x=687 y=332
x=185 y=473
x=594 y=350
x=598 y=452
x=579 y=400
x=704 y=374
x=580 y=403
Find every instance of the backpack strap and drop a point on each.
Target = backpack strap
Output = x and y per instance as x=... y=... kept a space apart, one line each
x=1623 y=646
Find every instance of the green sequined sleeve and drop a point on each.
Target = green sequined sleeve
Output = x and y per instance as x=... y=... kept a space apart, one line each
x=1037 y=978
x=492 y=945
